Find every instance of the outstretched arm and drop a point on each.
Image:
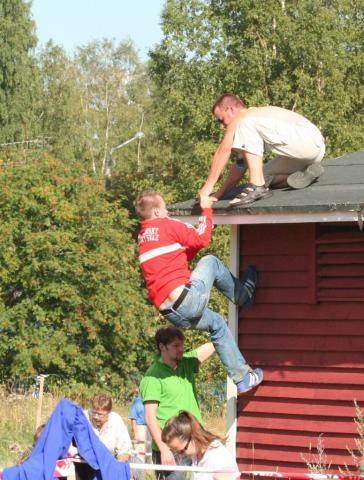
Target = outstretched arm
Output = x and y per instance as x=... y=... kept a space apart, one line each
x=205 y=351
x=219 y=160
x=233 y=177
x=193 y=239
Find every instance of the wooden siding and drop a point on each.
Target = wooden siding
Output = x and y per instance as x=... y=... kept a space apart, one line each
x=340 y=260
x=306 y=330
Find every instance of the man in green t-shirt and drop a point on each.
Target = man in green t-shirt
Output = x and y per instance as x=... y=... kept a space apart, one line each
x=168 y=387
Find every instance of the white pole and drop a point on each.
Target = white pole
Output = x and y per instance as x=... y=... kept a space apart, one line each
x=40 y=401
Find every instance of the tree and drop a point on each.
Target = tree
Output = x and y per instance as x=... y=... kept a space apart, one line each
x=19 y=77
x=71 y=301
x=62 y=121
x=114 y=92
x=93 y=102
x=303 y=55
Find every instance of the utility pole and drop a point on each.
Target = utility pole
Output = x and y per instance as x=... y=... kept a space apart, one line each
x=40 y=379
x=108 y=161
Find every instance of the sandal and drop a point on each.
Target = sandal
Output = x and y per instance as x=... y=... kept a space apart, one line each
x=250 y=194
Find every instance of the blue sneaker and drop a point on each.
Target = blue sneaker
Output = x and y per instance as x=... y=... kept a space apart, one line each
x=249 y=282
x=251 y=380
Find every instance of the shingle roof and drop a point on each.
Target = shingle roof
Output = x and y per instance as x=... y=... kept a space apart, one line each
x=339 y=189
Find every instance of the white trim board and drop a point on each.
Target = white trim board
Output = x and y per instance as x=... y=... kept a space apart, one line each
x=320 y=217
x=233 y=319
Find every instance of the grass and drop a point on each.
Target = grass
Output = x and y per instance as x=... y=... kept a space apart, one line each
x=319 y=462
x=216 y=423
x=18 y=423
x=358 y=455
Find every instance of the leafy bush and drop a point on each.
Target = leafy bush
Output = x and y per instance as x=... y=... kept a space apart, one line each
x=71 y=301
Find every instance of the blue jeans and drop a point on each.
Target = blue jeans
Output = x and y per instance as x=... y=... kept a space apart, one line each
x=193 y=312
x=168 y=475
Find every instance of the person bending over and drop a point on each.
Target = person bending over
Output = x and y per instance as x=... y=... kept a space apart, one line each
x=111 y=430
x=297 y=144
x=187 y=437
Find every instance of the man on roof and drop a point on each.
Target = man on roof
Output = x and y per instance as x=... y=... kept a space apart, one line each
x=297 y=144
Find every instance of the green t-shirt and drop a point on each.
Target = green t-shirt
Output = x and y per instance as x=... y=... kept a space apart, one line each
x=174 y=390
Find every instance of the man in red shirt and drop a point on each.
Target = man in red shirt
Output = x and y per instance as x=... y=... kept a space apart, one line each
x=166 y=246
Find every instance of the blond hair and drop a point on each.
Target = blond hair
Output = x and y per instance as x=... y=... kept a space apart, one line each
x=145 y=202
x=228 y=100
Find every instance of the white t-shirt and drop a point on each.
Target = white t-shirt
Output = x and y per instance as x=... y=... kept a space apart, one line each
x=217 y=456
x=278 y=130
x=114 y=434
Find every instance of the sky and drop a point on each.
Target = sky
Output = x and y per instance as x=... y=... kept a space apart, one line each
x=72 y=23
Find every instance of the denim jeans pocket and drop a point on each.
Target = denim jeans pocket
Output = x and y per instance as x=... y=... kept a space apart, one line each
x=178 y=320
x=190 y=310
x=195 y=301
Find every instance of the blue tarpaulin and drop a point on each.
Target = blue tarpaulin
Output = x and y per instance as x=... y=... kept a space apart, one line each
x=66 y=422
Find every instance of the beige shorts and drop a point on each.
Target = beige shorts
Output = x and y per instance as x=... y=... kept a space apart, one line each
x=308 y=148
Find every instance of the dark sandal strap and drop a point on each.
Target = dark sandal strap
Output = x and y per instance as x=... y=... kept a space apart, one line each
x=251 y=194
x=249 y=188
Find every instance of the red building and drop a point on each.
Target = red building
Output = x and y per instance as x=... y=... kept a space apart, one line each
x=306 y=329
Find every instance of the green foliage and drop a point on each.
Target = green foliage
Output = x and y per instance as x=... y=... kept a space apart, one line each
x=70 y=297
x=72 y=301
x=19 y=77
x=305 y=55
x=113 y=92
x=93 y=102
x=61 y=109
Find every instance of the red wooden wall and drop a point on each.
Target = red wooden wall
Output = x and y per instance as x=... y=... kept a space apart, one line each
x=306 y=330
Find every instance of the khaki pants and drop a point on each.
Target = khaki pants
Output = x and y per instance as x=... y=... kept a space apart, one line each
x=307 y=147
x=142 y=444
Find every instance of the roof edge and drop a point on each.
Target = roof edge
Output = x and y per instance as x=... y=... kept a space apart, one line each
x=319 y=217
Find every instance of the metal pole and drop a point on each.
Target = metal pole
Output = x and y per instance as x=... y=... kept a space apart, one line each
x=108 y=161
x=40 y=400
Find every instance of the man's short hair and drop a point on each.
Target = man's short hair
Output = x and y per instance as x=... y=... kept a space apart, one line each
x=166 y=335
x=228 y=100
x=102 y=402
x=145 y=202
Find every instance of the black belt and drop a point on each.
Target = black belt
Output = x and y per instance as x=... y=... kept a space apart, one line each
x=179 y=300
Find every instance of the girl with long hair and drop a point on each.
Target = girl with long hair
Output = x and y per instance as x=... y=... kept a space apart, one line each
x=185 y=436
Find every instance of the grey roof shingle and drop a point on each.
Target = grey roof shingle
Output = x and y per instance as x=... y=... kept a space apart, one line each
x=340 y=188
